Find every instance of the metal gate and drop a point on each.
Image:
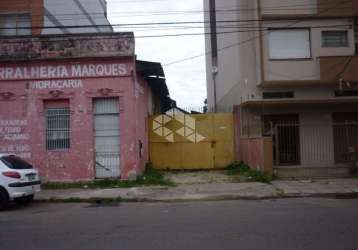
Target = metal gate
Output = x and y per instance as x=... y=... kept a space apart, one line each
x=285 y=132
x=345 y=142
x=286 y=144
x=107 y=137
x=181 y=141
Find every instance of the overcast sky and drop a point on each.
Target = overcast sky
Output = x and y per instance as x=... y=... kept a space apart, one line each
x=186 y=80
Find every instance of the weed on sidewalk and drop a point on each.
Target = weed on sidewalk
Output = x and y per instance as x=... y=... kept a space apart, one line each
x=151 y=177
x=246 y=173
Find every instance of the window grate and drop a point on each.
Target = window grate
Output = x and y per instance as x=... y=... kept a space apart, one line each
x=335 y=38
x=57 y=128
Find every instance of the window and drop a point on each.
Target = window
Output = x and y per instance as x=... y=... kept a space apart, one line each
x=57 y=128
x=334 y=38
x=289 y=44
x=277 y=95
x=15 y=24
x=14 y=162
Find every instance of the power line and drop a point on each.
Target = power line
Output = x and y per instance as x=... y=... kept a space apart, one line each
x=12 y=40
x=248 y=40
x=191 y=34
x=145 y=24
x=218 y=11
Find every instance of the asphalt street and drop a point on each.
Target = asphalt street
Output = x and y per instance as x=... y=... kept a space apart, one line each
x=271 y=224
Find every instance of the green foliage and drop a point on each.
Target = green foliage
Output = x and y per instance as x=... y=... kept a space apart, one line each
x=258 y=176
x=237 y=168
x=240 y=168
x=151 y=177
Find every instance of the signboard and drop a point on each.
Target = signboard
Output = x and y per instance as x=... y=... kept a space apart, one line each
x=63 y=71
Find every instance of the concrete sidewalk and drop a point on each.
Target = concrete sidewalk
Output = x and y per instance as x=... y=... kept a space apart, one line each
x=335 y=188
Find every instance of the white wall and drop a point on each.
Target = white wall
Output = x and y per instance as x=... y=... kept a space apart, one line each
x=238 y=56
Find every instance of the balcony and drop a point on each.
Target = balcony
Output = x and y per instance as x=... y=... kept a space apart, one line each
x=322 y=8
x=274 y=8
x=337 y=8
x=333 y=68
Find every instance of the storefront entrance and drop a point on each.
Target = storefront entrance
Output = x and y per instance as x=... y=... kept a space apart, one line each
x=106 y=137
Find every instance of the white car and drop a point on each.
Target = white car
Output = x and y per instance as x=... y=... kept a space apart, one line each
x=19 y=181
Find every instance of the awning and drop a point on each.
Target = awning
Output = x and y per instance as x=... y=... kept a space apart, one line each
x=153 y=73
x=294 y=101
x=146 y=68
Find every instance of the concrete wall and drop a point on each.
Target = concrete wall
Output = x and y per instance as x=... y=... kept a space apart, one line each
x=64 y=47
x=75 y=13
x=238 y=57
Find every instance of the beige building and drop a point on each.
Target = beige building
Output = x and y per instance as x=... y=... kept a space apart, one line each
x=289 y=69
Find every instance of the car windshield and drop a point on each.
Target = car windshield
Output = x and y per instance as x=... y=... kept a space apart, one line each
x=15 y=162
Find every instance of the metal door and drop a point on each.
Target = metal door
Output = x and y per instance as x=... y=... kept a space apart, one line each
x=286 y=137
x=107 y=138
x=287 y=144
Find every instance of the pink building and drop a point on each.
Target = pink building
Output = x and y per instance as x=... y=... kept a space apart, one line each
x=76 y=106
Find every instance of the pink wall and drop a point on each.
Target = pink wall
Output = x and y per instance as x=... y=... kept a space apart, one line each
x=248 y=150
x=251 y=152
x=142 y=96
x=22 y=126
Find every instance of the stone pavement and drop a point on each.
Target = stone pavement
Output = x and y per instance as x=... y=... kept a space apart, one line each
x=334 y=188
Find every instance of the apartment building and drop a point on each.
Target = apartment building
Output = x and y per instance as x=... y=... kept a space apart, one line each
x=289 y=70
x=53 y=17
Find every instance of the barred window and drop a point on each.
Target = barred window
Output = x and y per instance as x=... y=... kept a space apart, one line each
x=335 y=38
x=57 y=128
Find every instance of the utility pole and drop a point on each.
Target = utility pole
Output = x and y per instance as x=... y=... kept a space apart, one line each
x=214 y=47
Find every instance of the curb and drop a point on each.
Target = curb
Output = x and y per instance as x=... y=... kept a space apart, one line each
x=352 y=195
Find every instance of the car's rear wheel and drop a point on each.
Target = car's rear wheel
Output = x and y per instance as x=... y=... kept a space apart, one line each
x=25 y=200
x=4 y=199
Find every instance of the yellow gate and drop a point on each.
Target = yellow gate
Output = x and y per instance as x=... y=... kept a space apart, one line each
x=182 y=141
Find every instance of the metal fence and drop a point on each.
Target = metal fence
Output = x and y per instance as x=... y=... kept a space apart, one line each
x=200 y=110
x=315 y=144
x=286 y=144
